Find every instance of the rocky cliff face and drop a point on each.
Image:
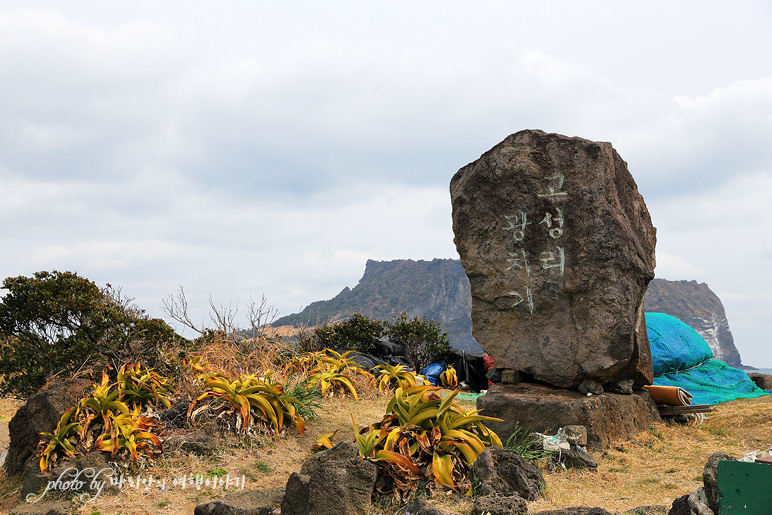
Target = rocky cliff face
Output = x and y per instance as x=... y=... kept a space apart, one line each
x=696 y=305
x=437 y=290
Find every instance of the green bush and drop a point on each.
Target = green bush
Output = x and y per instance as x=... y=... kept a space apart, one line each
x=358 y=333
x=424 y=341
x=57 y=323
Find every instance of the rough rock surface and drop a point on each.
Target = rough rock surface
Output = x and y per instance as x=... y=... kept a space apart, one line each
x=763 y=381
x=47 y=507
x=578 y=510
x=331 y=487
x=500 y=472
x=198 y=443
x=710 y=479
x=608 y=417
x=245 y=502
x=41 y=413
x=697 y=306
x=576 y=457
x=559 y=247
x=424 y=507
x=93 y=465
x=654 y=509
x=340 y=452
x=694 y=503
x=500 y=505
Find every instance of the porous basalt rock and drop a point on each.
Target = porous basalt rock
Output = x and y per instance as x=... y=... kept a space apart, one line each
x=578 y=510
x=498 y=471
x=424 y=507
x=500 y=505
x=41 y=413
x=559 y=247
x=608 y=417
x=332 y=483
x=245 y=502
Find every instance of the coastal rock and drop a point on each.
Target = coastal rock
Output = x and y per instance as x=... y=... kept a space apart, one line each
x=559 y=249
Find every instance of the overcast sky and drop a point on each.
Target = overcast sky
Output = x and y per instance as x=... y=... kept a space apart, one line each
x=249 y=148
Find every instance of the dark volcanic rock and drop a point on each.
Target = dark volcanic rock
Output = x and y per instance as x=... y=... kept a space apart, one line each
x=608 y=417
x=500 y=505
x=579 y=510
x=245 y=502
x=332 y=487
x=500 y=472
x=697 y=306
x=559 y=248
x=763 y=381
x=41 y=413
x=424 y=507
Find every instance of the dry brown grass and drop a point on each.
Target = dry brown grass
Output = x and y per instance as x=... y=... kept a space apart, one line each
x=657 y=466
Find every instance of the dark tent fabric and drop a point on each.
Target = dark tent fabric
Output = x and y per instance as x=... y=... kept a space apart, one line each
x=470 y=368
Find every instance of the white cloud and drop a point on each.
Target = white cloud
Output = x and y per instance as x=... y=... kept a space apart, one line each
x=257 y=148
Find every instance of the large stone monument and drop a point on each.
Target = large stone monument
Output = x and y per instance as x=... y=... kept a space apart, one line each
x=559 y=248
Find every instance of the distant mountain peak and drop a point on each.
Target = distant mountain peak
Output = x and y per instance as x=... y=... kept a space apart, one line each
x=439 y=290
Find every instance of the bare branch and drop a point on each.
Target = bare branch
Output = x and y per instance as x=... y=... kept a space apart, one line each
x=176 y=308
x=222 y=318
x=260 y=315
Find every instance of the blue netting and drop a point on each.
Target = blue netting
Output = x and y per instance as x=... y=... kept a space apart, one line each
x=713 y=382
x=674 y=345
x=682 y=358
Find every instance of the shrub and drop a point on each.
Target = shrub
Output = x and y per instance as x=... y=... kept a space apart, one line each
x=55 y=323
x=424 y=342
x=357 y=333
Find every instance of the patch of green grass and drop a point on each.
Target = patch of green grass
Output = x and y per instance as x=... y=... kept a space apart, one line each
x=216 y=472
x=262 y=466
x=650 y=481
x=163 y=504
x=622 y=470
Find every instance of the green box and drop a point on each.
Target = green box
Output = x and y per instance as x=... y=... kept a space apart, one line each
x=744 y=488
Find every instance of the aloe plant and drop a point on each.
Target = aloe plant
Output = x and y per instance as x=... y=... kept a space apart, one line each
x=395 y=376
x=60 y=439
x=251 y=399
x=449 y=377
x=425 y=436
x=140 y=385
x=130 y=433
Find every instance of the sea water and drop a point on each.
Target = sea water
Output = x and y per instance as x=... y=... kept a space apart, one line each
x=767 y=371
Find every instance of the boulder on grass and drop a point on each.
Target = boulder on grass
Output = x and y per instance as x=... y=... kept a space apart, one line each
x=579 y=510
x=424 y=507
x=500 y=505
x=245 y=502
x=498 y=471
x=41 y=413
x=334 y=485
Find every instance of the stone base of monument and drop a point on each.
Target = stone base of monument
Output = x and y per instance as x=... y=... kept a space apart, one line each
x=608 y=417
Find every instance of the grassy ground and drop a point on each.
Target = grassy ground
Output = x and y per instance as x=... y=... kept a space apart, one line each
x=657 y=466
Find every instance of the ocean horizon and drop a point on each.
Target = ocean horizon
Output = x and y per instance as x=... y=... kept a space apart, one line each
x=767 y=371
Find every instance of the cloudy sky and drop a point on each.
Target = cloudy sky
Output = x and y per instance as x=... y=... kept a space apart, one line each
x=249 y=148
